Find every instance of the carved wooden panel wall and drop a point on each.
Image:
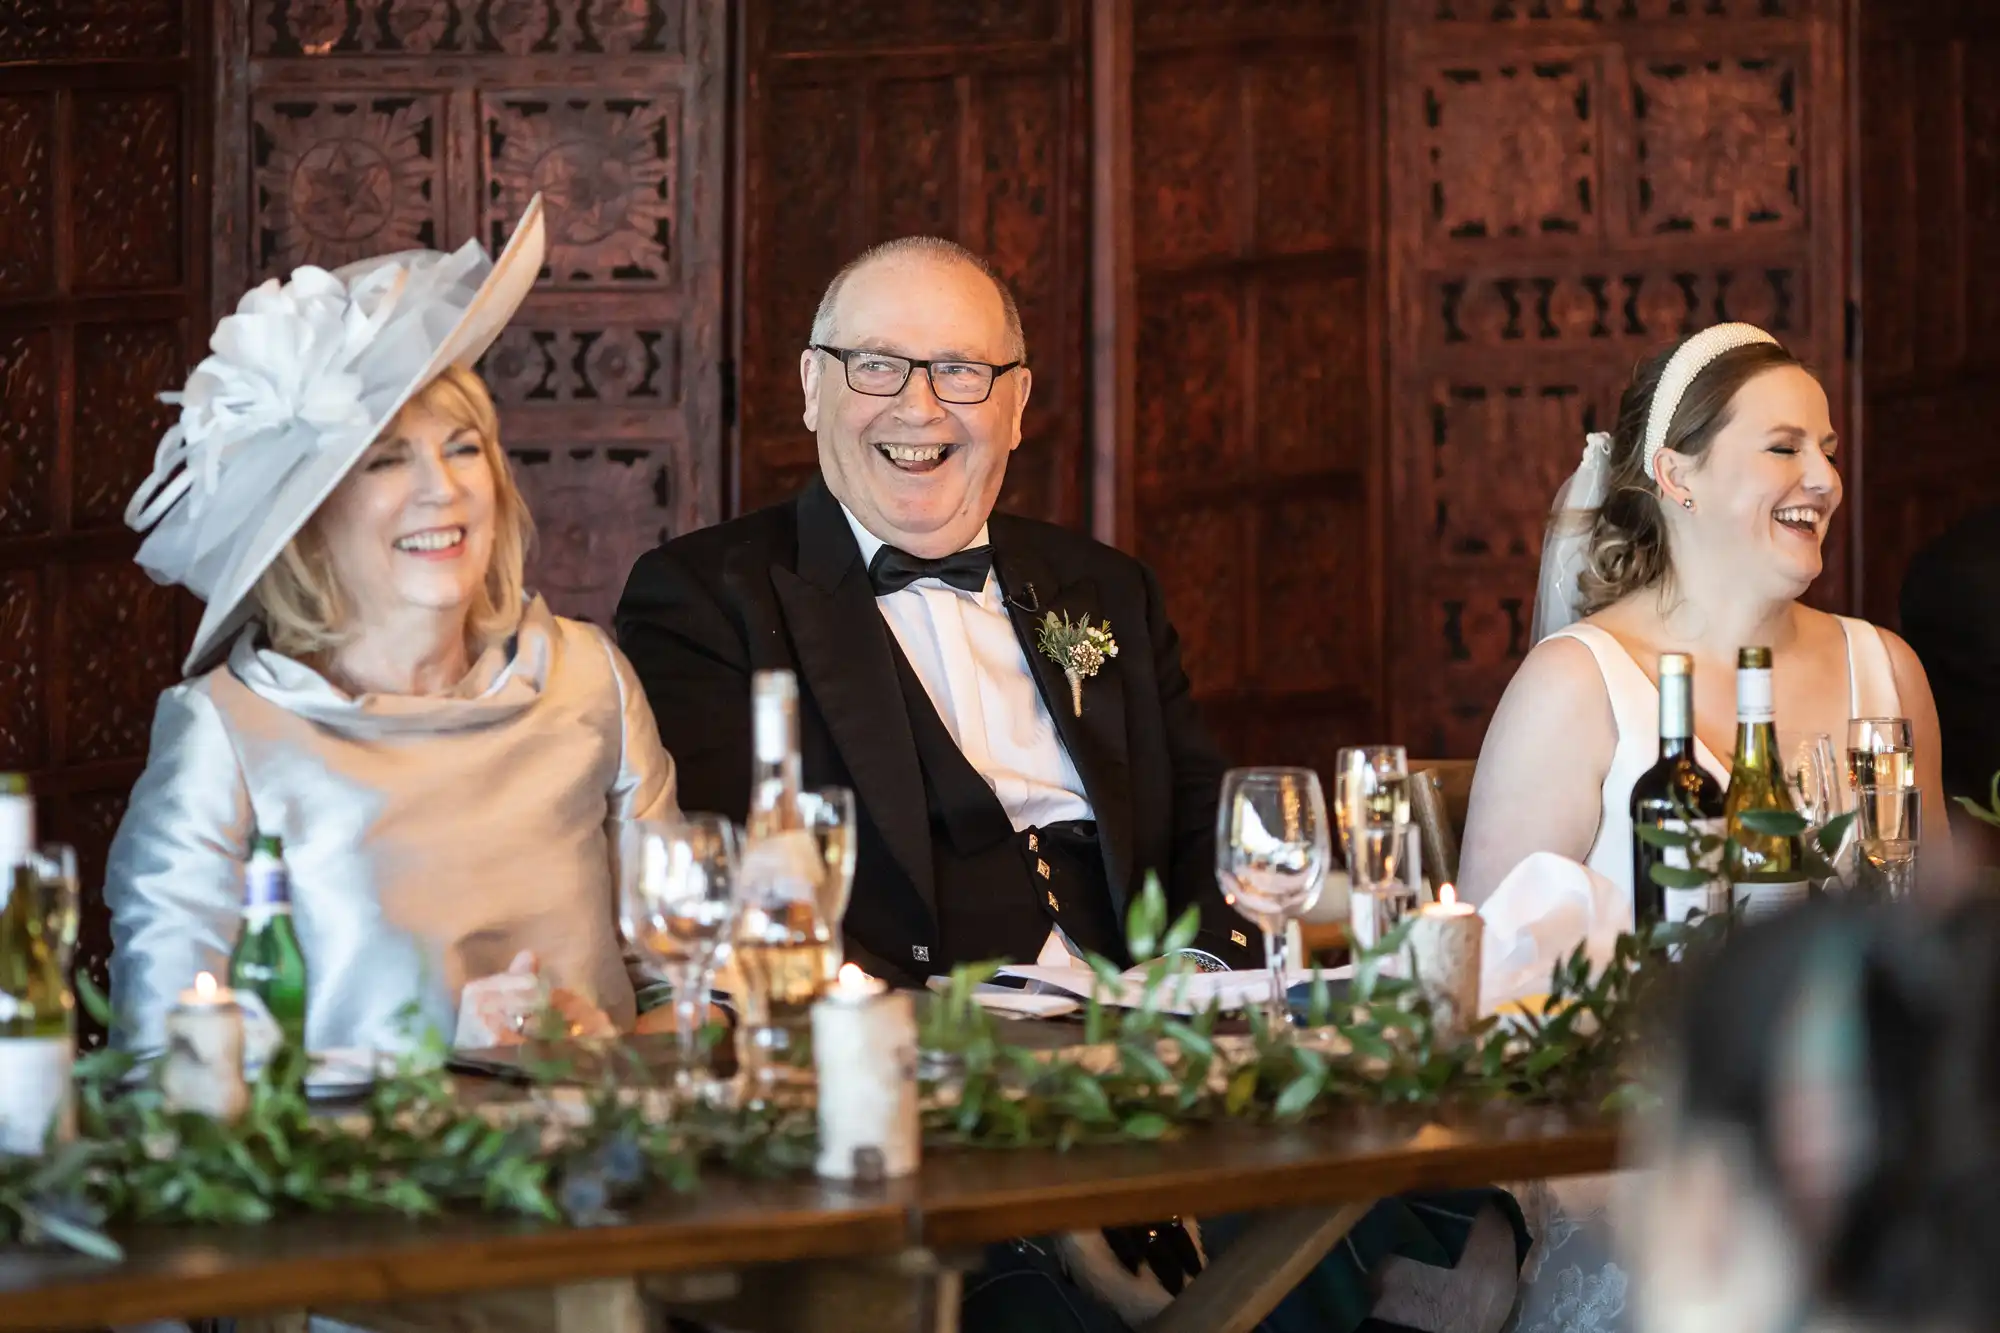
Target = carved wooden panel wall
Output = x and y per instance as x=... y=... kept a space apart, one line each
x=103 y=304
x=1929 y=191
x=1572 y=184
x=1256 y=477
x=862 y=121
x=350 y=128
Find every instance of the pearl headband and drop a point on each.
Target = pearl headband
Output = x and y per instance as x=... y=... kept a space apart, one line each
x=1688 y=361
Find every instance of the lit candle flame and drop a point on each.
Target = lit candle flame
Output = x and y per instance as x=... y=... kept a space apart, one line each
x=852 y=977
x=1447 y=895
x=204 y=985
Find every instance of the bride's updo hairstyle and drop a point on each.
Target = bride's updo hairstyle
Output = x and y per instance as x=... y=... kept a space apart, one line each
x=1627 y=546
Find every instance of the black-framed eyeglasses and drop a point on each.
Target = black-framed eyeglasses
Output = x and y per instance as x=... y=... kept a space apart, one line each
x=883 y=375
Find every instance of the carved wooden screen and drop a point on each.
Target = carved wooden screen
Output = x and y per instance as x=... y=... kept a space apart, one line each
x=1574 y=183
x=868 y=119
x=1255 y=462
x=358 y=127
x=1929 y=192
x=103 y=304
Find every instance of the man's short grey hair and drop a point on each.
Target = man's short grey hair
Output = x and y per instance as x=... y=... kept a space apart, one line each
x=928 y=247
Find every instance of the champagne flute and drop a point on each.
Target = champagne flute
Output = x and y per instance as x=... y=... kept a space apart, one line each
x=1372 y=801
x=1811 y=775
x=1881 y=752
x=1891 y=822
x=1272 y=847
x=828 y=814
x=678 y=907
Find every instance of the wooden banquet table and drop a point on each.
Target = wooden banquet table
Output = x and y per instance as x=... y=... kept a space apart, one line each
x=802 y=1255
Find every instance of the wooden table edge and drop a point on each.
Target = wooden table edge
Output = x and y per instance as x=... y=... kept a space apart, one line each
x=556 y=1256
x=1000 y=1213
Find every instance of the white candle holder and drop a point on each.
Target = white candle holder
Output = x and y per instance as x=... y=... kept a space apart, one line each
x=204 y=1057
x=865 y=1051
x=1444 y=951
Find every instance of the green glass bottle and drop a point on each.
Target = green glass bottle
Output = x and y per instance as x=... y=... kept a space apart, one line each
x=1767 y=871
x=36 y=1042
x=267 y=961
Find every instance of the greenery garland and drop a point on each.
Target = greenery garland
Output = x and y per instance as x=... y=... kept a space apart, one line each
x=576 y=1154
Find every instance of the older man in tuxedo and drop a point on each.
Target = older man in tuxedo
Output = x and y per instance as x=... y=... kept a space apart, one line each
x=1001 y=815
x=998 y=818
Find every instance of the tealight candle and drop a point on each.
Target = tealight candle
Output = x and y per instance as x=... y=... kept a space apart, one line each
x=865 y=1051
x=1444 y=950
x=204 y=1057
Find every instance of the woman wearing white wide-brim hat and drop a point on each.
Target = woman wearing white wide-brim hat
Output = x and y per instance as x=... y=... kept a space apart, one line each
x=448 y=764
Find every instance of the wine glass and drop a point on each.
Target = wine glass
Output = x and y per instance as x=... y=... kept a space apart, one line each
x=59 y=899
x=1881 y=752
x=828 y=814
x=1272 y=847
x=1372 y=805
x=678 y=906
x=1890 y=819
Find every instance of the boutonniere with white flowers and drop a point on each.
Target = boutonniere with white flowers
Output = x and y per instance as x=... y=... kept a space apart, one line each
x=1080 y=649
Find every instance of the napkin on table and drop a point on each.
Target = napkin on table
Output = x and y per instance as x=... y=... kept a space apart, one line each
x=1547 y=905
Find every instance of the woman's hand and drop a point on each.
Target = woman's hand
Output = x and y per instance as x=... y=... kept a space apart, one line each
x=508 y=1006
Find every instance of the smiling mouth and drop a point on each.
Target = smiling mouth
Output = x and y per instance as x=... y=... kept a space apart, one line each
x=432 y=541
x=916 y=458
x=1802 y=519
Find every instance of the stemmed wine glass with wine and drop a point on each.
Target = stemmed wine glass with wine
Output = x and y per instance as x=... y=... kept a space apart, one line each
x=677 y=905
x=1272 y=848
x=1371 y=795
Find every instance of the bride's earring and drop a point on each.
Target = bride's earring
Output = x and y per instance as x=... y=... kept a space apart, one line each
x=1687 y=503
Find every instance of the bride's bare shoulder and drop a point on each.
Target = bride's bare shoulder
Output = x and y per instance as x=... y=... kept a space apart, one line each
x=1557 y=666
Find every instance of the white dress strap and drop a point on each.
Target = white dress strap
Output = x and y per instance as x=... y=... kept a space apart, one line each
x=1871 y=679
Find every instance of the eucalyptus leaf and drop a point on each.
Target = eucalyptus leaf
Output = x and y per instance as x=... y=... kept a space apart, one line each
x=1773 y=823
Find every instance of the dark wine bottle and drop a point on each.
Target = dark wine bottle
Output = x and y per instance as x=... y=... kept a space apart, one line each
x=1674 y=795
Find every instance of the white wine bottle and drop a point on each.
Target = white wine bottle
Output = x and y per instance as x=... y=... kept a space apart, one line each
x=1767 y=871
x=36 y=1039
x=784 y=951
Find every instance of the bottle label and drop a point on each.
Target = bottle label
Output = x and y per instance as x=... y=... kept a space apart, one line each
x=769 y=739
x=1683 y=858
x=1753 y=695
x=261 y=1034
x=35 y=1093
x=781 y=867
x=1683 y=905
x=1763 y=898
x=266 y=888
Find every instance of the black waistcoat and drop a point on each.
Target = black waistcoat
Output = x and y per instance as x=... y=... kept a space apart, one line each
x=998 y=890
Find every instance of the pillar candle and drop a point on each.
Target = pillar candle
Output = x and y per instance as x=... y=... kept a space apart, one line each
x=865 y=1051
x=204 y=1058
x=1444 y=949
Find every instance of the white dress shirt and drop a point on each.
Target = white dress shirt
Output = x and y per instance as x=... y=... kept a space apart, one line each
x=963 y=648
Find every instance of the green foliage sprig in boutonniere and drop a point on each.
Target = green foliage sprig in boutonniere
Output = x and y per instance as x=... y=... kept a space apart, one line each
x=1080 y=649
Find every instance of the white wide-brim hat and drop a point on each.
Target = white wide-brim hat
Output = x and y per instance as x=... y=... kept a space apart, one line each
x=299 y=381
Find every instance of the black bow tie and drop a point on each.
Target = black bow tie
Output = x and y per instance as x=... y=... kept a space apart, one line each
x=892 y=570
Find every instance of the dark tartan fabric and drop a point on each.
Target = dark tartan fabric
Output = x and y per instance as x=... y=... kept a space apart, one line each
x=1022 y=1287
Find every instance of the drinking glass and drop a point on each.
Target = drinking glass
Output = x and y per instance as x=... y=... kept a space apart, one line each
x=1272 y=847
x=1812 y=779
x=1881 y=752
x=59 y=895
x=1372 y=808
x=678 y=906
x=828 y=815
x=1890 y=820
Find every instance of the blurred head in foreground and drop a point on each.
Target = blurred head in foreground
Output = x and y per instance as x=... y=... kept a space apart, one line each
x=1829 y=1155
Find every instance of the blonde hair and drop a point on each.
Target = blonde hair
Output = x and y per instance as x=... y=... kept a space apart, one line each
x=1627 y=550
x=304 y=612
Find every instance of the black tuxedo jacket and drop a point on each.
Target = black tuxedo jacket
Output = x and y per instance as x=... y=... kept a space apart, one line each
x=786 y=588
x=1951 y=618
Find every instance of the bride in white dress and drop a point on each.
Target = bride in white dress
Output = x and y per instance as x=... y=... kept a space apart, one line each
x=1693 y=527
